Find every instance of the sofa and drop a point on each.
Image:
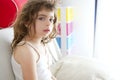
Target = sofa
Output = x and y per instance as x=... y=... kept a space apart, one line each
x=69 y=67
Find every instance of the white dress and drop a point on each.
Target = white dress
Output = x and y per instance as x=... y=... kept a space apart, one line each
x=42 y=67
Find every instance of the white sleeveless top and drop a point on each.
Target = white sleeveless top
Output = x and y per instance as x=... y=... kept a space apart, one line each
x=42 y=67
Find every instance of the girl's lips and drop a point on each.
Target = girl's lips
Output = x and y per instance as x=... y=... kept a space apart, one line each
x=46 y=30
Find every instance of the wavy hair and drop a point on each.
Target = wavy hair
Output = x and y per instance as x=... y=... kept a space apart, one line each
x=28 y=15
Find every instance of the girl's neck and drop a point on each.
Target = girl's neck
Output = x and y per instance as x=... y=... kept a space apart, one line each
x=34 y=41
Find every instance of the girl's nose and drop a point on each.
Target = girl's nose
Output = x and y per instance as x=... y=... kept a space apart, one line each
x=48 y=22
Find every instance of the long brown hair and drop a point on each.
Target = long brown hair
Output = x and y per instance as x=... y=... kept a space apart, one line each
x=28 y=14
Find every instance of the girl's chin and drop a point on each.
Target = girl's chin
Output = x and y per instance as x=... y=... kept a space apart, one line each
x=45 y=35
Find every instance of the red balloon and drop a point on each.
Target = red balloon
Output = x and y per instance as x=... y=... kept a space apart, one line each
x=8 y=10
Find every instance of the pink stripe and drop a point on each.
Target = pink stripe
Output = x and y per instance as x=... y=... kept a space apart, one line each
x=69 y=28
x=59 y=29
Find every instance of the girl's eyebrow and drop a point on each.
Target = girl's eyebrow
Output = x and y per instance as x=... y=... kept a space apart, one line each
x=45 y=15
x=42 y=15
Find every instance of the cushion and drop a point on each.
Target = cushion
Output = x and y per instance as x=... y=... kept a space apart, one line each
x=53 y=51
x=6 y=36
x=8 y=11
x=80 y=68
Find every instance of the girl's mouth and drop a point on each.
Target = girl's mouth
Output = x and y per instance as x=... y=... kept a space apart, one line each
x=46 y=30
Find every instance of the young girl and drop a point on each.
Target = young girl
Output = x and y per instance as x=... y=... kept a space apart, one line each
x=34 y=27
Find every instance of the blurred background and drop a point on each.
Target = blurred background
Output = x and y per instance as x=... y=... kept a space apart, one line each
x=88 y=28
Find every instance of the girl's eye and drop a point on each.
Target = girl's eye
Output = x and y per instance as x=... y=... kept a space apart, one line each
x=41 y=18
x=51 y=20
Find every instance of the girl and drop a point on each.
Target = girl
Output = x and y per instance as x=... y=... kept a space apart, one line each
x=34 y=27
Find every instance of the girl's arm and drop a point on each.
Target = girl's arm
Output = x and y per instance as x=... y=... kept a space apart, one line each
x=27 y=59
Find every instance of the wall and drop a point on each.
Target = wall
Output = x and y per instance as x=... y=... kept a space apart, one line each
x=107 y=41
x=83 y=26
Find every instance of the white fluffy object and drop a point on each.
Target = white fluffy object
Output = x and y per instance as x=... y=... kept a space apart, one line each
x=79 y=68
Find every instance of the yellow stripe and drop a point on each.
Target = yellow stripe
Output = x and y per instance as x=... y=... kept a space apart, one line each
x=69 y=14
x=59 y=14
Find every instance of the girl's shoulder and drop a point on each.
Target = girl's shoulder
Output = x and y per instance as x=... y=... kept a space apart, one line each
x=22 y=47
x=23 y=52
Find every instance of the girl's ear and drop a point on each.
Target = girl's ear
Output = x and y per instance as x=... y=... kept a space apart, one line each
x=55 y=19
x=26 y=24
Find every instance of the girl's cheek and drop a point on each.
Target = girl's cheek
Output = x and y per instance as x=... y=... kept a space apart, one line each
x=51 y=28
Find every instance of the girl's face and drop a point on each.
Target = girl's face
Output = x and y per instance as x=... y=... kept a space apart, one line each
x=44 y=23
